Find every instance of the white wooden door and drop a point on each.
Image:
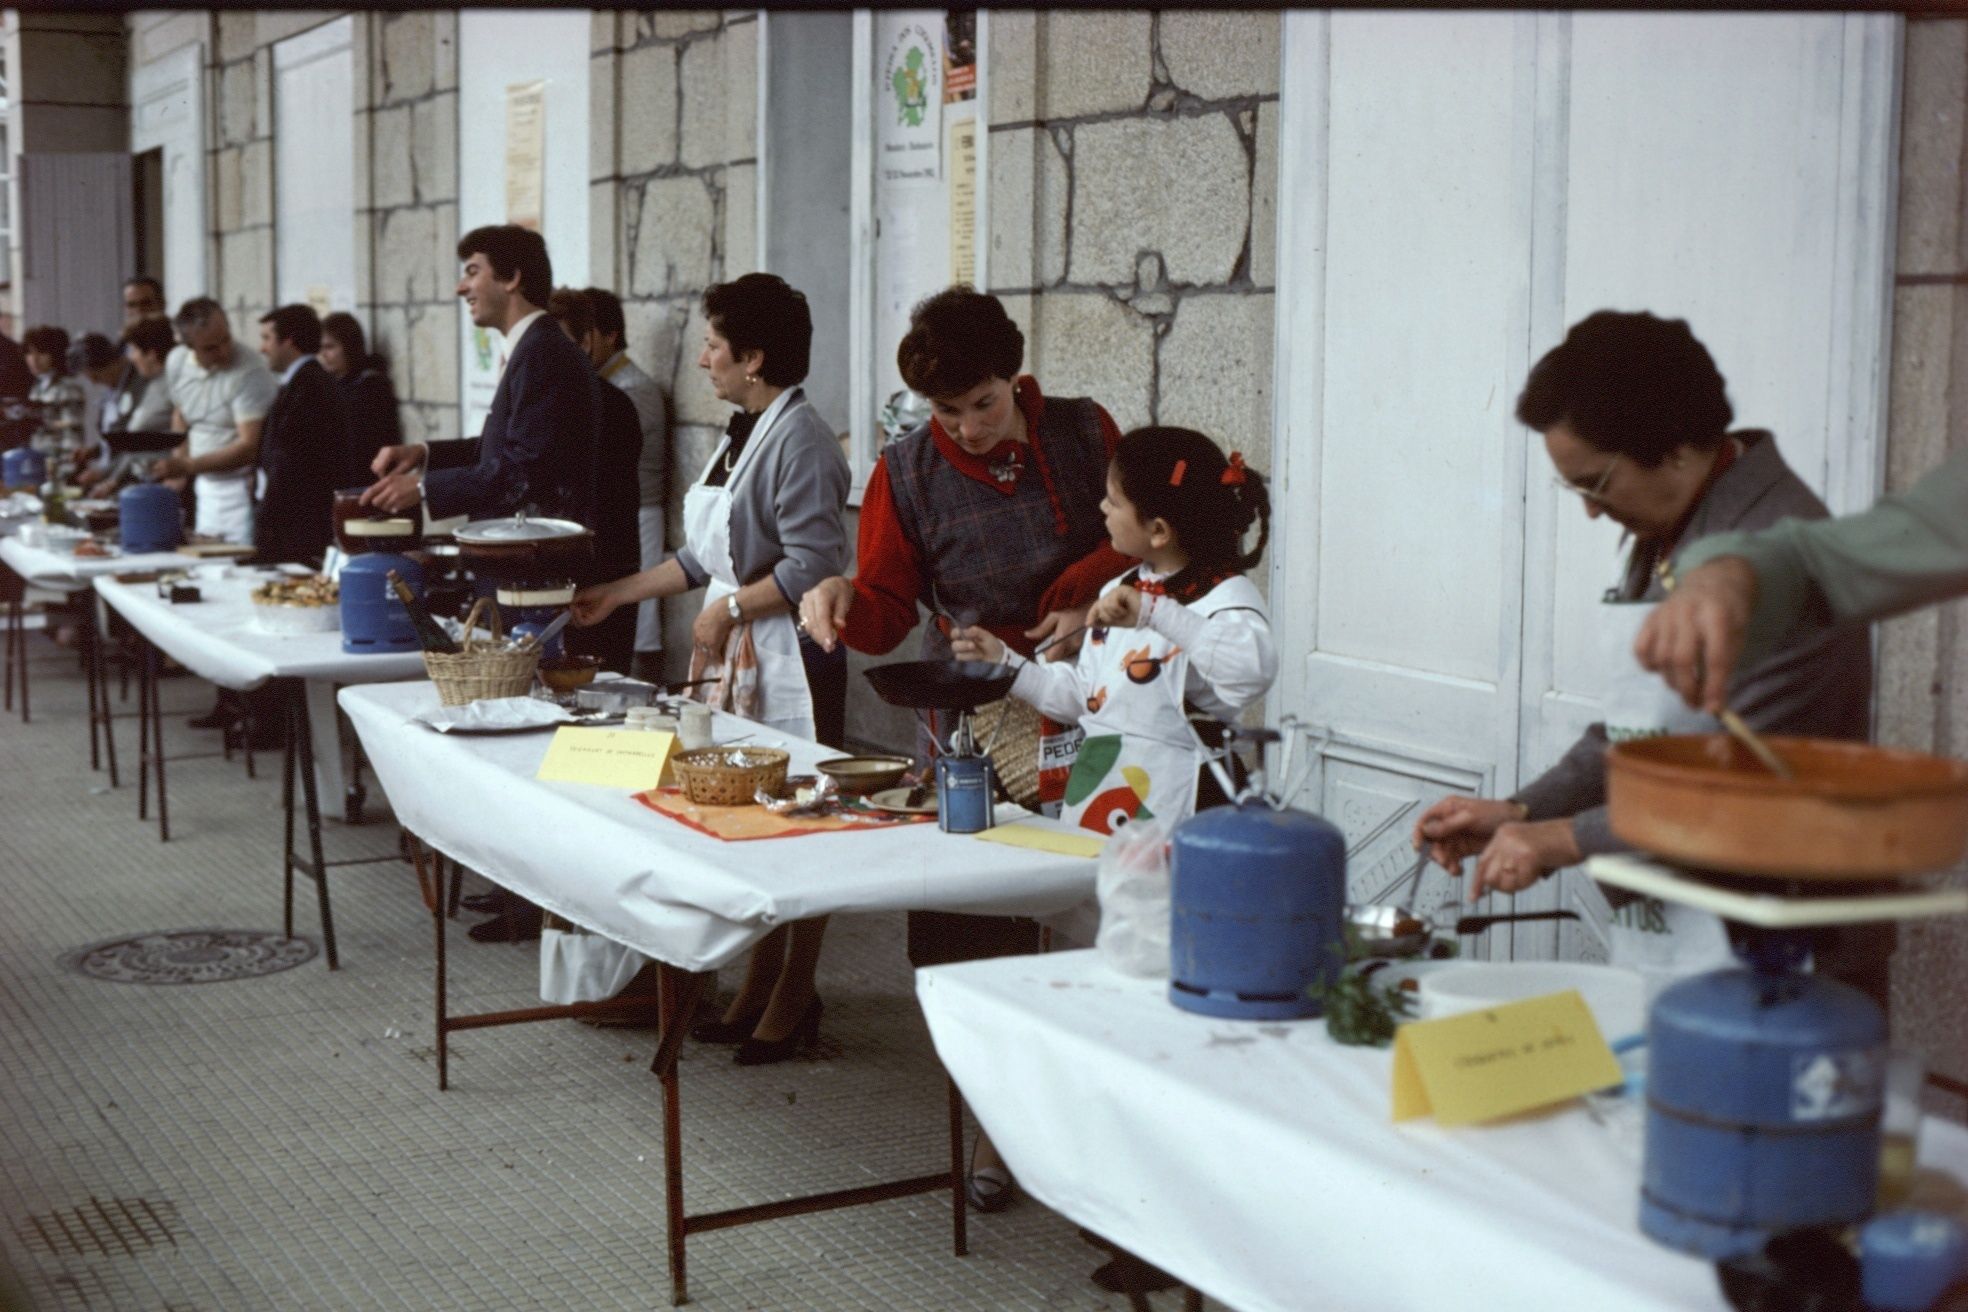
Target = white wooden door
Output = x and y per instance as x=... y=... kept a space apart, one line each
x=76 y=226
x=1456 y=189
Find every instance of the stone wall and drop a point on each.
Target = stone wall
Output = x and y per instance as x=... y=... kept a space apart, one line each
x=674 y=168
x=1923 y=697
x=406 y=151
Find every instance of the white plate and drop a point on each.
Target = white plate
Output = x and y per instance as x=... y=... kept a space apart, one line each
x=895 y=802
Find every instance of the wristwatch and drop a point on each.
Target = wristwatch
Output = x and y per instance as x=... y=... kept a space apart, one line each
x=733 y=609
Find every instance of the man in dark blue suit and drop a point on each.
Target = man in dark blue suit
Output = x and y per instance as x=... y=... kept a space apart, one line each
x=536 y=451
x=298 y=446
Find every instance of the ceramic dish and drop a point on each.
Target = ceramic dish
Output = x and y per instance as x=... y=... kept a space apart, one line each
x=896 y=802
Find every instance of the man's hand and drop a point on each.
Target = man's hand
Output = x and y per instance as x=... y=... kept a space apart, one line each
x=1119 y=608
x=1058 y=622
x=1694 y=637
x=170 y=467
x=1522 y=854
x=593 y=604
x=977 y=644
x=393 y=492
x=1457 y=828
x=823 y=610
x=713 y=626
x=398 y=460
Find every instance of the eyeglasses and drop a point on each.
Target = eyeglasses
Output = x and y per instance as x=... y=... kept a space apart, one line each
x=1597 y=492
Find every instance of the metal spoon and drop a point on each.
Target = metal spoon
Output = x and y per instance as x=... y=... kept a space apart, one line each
x=552 y=630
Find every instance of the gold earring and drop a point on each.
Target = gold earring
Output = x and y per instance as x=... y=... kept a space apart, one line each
x=753 y=379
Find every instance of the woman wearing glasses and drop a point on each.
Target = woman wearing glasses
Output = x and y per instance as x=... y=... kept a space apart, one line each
x=1635 y=418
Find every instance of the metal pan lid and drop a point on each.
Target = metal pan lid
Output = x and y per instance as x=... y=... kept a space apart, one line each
x=488 y=532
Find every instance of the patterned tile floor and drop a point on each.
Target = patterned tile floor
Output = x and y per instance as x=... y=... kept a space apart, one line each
x=280 y=1143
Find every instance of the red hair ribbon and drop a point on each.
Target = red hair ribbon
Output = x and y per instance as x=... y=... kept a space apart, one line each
x=1234 y=475
x=1175 y=475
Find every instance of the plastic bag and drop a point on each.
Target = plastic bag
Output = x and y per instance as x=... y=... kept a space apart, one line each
x=1133 y=888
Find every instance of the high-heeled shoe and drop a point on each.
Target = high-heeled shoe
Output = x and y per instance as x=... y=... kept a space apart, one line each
x=988 y=1188
x=764 y=1052
x=726 y=1031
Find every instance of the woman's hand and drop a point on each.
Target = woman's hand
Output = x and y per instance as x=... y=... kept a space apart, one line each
x=713 y=627
x=593 y=604
x=1521 y=854
x=823 y=610
x=1058 y=622
x=977 y=644
x=1457 y=828
x=1120 y=608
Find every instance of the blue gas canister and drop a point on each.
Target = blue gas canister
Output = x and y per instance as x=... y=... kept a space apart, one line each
x=373 y=618
x=24 y=467
x=1259 y=911
x=963 y=794
x=1763 y=1100
x=150 y=518
x=1907 y=1260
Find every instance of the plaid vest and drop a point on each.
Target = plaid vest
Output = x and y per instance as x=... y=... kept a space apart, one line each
x=993 y=554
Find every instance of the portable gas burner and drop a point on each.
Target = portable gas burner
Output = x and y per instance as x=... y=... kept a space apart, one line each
x=1764 y=1081
x=966 y=785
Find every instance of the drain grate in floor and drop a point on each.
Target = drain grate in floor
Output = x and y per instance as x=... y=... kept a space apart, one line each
x=102 y=1227
x=82 y=1291
x=190 y=956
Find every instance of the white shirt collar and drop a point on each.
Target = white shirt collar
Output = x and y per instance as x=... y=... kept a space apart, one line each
x=519 y=331
x=293 y=369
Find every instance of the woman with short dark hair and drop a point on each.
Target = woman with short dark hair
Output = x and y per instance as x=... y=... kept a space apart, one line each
x=762 y=526
x=373 y=422
x=59 y=394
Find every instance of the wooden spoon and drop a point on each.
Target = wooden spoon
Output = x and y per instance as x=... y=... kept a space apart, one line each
x=1757 y=747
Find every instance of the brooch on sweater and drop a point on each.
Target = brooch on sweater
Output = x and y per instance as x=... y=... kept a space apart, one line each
x=1007 y=467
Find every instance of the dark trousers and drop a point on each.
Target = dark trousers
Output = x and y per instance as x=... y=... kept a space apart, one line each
x=826 y=683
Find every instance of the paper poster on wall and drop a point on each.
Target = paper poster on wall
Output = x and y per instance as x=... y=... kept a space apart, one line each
x=909 y=100
x=526 y=130
x=959 y=55
x=319 y=299
x=963 y=199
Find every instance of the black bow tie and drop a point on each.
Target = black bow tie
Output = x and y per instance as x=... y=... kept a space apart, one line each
x=740 y=425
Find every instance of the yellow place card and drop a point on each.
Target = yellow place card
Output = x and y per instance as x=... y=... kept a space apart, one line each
x=608 y=758
x=1484 y=1065
x=1040 y=839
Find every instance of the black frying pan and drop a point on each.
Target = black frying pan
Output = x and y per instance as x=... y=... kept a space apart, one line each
x=941 y=685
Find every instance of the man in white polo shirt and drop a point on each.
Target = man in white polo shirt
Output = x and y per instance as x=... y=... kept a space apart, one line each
x=222 y=395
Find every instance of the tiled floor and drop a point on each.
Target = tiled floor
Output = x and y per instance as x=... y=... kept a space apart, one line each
x=280 y=1143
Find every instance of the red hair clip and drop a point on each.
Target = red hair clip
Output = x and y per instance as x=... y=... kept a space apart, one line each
x=1175 y=475
x=1234 y=475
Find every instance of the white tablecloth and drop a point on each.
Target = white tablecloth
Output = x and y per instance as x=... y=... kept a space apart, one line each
x=598 y=857
x=216 y=639
x=1258 y=1162
x=60 y=572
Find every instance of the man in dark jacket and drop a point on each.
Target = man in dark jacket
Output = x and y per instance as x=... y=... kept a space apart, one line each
x=617 y=492
x=537 y=448
x=301 y=442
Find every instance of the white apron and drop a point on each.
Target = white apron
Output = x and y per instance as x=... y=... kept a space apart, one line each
x=1664 y=941
x=1139 y=758
x=787 y=703
x=225 y=507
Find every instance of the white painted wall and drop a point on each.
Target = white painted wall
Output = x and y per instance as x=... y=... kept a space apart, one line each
x=1455 y=191
x=497 y=49
x=167 y=109
x=314 y=166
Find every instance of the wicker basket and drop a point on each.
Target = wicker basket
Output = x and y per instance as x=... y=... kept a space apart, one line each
x=1013 y=729
x=710 y=779
x=477 y=672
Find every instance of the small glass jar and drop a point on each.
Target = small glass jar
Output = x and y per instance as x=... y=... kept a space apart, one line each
x=694 y=726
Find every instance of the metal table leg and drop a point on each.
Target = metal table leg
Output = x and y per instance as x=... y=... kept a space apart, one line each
x=96 y=634
x=85 y=639
x=299 y=755
x=157 y=743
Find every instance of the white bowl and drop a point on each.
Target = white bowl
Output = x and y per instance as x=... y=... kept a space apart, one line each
x=296 y=619
x=1616 y=997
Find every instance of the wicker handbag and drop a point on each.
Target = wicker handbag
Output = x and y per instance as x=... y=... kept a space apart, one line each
x=1013 y=728
x=478 y=671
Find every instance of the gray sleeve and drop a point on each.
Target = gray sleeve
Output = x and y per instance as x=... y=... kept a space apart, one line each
x=692 y=570
x=809 y=500
x=1576 y=783
x=653 y=468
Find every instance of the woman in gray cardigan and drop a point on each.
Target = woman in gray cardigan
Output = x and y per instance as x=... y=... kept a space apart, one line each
x=762 y=525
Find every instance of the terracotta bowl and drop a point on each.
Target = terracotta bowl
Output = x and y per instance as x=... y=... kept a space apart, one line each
x=1852 y=812
x=857 y=776
x=566 y=673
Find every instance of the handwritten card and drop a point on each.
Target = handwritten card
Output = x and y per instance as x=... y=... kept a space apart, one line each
x=1483 y=1065
x=608 y=758
x=1062 y=842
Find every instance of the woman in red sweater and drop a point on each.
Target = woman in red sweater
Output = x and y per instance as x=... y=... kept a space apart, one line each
x=988 y=514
